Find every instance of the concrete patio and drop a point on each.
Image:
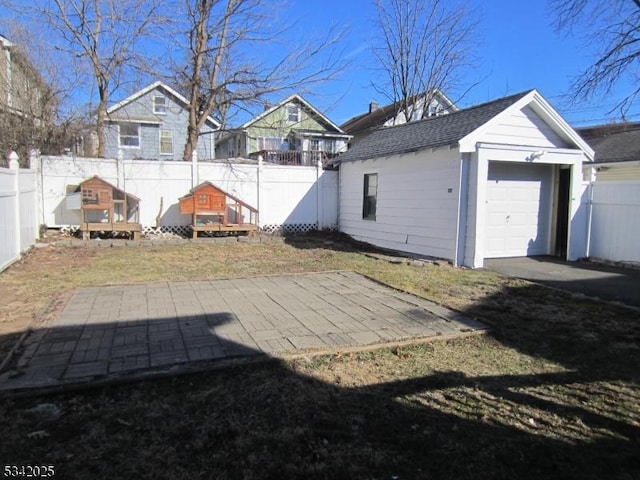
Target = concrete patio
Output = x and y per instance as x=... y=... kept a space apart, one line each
x=125 y=331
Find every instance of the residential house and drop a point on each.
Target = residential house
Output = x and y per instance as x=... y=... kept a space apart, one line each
x=613 y=196
x=617 y=151
x=152 y=124
x=500 y=179
x=292 y=132
x=27 y=103
x=376 y=117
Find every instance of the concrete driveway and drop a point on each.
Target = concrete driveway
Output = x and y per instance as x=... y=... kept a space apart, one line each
x=591 y=279
x=124 y=330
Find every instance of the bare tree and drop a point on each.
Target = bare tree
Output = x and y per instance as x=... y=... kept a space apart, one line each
x=103 y=37
x=227 y=66
x=28 y=104
x=421 y=46
x=612 y=30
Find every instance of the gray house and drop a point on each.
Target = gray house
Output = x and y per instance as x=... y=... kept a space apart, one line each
x=152 y=123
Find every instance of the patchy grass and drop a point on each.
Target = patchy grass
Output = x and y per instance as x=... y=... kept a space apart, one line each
x=552 y=392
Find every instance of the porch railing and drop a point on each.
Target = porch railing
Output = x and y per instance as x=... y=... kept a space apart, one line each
x=293 y=157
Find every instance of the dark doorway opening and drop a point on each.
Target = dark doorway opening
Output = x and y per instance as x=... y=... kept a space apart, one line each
x=562 y=213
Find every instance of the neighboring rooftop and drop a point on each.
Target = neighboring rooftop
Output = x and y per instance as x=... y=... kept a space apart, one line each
x=616 y=142
x=430 y=132
x=377 y=116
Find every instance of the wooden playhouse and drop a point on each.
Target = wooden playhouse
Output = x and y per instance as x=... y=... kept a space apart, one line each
x=106 y=208
x=214 y=210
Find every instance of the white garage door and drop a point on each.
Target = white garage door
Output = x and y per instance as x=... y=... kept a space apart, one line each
x=518 y=209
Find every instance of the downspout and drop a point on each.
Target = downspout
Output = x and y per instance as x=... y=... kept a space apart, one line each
x=589 y=217
x=339 y=191
x=41 y=176
x=461 y=224
x=318 y=167
x=258 y=175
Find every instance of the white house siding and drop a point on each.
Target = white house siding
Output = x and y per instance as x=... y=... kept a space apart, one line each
x=523 y=127
x=618 y=173
x=417 y=202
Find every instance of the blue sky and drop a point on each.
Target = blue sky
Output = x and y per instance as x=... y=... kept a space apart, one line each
x=518 y=50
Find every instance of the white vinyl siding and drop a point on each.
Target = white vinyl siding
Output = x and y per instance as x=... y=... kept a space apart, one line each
x=524 y=127
x=618 y=173
x=416 y=207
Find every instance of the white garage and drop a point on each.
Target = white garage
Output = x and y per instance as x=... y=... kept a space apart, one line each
x=501 y=179
x=518 y=210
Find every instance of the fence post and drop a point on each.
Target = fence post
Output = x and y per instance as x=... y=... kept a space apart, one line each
x=194 y=169
x=258 y=186
x=120 y=170
x=14 y=165
x=319 y=197
x=35 y=165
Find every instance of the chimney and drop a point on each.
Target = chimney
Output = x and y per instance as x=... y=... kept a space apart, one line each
x=373 y=106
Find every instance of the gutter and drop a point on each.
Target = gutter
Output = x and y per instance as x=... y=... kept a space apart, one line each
x=589 y=220
x=461 y=223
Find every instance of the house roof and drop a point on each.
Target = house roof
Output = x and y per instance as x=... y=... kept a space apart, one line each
x=618 y=142
x=430 y=132
x=209 y=184
x=462 y=128
x=149 y=88
x=378 y=116
x=302 y=101
x=96 y=177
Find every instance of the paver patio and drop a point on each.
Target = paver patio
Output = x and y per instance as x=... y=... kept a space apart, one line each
x=155 y=327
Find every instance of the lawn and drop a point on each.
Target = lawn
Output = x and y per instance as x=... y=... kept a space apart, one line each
x=551 y=392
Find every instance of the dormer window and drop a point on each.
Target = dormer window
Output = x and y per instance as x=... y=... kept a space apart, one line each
x=160 y=104
x=293 y=113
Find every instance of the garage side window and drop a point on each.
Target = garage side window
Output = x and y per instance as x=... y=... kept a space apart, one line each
x=370 y=196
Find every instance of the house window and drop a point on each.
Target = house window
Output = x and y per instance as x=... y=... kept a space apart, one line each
x=370 y=196
x=160 y=104
x=269 y=143
x=203 y=199
x=130 y=135
x=329 y=146
x=166 y=142
x=293 y=114
x=315 y=145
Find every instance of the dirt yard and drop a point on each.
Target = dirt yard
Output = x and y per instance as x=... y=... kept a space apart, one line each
x=553 y=391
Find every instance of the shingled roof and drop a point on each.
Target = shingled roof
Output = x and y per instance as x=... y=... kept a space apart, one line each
x=428 y=133
x=618 y=142
x=377 y=117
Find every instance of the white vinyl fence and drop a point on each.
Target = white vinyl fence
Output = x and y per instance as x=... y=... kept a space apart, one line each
x=615 y=225
x=293 y=199
x=19 y=225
